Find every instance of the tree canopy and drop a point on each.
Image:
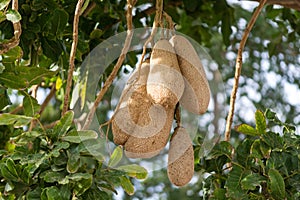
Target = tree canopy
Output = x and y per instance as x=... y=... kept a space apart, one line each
x=44 y=151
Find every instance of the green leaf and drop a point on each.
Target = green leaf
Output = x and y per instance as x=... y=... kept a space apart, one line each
x=261 y=124
x=4 y=98
x=115 y=157
x=52 y=176
x=233 y=184
x=52 y=48
x=12 y=55
x=127 y=185
x=79 y=136
x=30 y=105
x=134 y=171
x=222 y=148
x=273 y=140
x=255 y=149
x=52 y=193
x=83 y=182
x=64 y=124
x=251 y=181
x=26 y=76
x=7 y=174
x=11 y=167
x=73 y=162
x=59 y=21
x=243 y=152
x=16 y=120
x=276 y=184
x=4 y=3
x=13 y=16
x=218 y=194
x=247 y=130
x=2 y=18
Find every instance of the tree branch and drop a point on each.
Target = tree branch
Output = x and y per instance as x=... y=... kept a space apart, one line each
x=72 y=56
x=13 y=42
x=113 y=74
x=294 y=4
x=238 y=68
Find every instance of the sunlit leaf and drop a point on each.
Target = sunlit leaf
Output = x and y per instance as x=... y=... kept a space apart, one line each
x=13 y=16
x=261 y=124
x=134 y=170
x=116 y=157
x=127 y=185
x=4 y=3
x=246 y=129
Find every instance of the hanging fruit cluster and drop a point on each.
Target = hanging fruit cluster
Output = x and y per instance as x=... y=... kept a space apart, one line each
x=143 y=121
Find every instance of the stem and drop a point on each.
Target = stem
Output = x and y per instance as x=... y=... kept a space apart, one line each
x=108 y=82
x=72 y=56
x=13 y=42
x=238 y=68
x=47 y=100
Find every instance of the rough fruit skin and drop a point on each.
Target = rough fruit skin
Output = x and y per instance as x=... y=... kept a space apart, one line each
x=196 y=94
x=181 y=158
x=165 y=83
x=141 y=126
x=121 y=135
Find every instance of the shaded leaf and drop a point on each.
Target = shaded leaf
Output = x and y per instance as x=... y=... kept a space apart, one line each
x=276 y=185
x=4 y=98
x=115 y=157
x=59 y=21
x=222 y=148
x=64 y=124
x=30 y=105
x=233 y=184
x=52 y=176
x=83 y=182
x=251 y=181
x=79 y=136
x=16 y=120
x=26 y=76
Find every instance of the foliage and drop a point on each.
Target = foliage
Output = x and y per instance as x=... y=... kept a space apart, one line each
x=265 y=165
x=42 y=161
x=55 y=163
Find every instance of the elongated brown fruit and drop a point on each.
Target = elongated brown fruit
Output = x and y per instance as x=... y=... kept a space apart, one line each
x=122 y=124
x=165 y=83
x=181 y=158
x=141 y=126
x=196 y=94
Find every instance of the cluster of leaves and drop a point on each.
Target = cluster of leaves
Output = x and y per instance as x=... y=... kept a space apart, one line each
x=55 y=164
x=265 y=165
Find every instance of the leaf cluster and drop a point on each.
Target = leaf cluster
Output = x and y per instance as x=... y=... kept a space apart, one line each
x=265 y=165
x=55 y=164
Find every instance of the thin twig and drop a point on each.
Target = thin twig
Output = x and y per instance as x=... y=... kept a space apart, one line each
x=238 y=68
x=72 y=56
x=13 y=42
x=47 y=99
x=117 y=66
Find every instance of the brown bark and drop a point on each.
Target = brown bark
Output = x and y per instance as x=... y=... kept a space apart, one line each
x=294 y=4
